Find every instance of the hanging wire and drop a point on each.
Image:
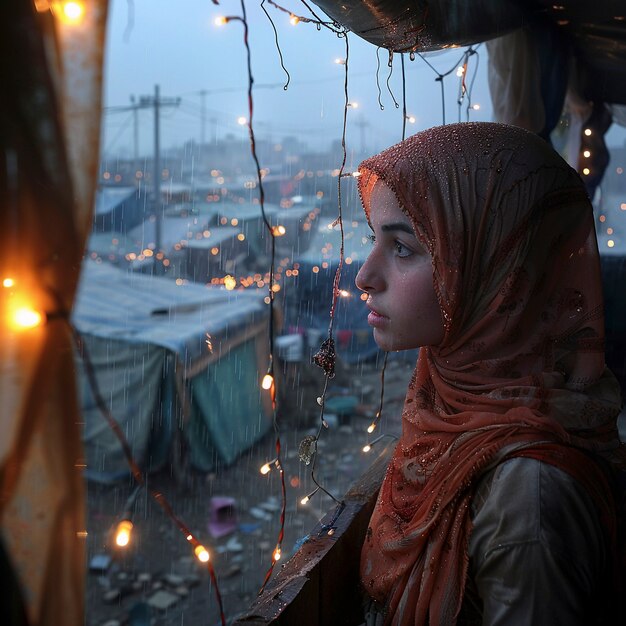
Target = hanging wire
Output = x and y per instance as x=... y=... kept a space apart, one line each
x=280 y=53
x=471 y=85
x=333 y=26
x=440 y=79
x=157 y=496
x=268 y=226
x=325 y=357
x=403 y=101
x=380 y=103
x=390 y=64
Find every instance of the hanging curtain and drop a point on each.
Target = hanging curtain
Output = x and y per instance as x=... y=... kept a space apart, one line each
x=51 y=67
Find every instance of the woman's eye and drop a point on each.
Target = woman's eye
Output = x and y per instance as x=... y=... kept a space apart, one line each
x=401 y=250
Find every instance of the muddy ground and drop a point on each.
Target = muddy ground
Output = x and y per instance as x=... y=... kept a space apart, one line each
x=157 y=581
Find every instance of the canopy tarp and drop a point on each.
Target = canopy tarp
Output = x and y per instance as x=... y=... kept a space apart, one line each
x=149 y=341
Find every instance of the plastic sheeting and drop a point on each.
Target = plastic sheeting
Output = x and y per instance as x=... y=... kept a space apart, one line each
x=147 y=341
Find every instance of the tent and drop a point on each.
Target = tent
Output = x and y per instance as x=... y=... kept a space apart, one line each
x=169 y=357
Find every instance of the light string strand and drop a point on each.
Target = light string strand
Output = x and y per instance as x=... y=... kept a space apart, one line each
x=471 y=85
x=270 y=371
x=390 y=65
x=403 y=102
x=280 y=53
x=380 y=102
x=440 y=79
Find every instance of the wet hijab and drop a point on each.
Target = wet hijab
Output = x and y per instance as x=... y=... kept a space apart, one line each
x=516 y=271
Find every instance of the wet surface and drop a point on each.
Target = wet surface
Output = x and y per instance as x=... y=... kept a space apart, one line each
x=157 y=580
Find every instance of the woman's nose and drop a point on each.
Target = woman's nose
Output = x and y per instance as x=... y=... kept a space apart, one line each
x=368 y=278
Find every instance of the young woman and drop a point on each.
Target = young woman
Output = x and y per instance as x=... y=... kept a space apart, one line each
x=497 y=505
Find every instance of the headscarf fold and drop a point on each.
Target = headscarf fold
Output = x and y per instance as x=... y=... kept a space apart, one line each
x=510 y=230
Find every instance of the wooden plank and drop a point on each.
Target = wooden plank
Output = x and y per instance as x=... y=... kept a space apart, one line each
x=320 y=583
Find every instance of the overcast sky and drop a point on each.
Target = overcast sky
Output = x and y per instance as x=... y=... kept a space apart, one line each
x=177 y=46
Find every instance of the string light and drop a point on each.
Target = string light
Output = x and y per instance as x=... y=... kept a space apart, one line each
x=242 y=121
x=25 y=317
x=230 y=282
x=294 y=20
x=588 y=132
x=306 y=498
x=410 y=119
x=476 y=107
x=277 y=554
x=221 y=20
x=586 y=171
x=202 y=554
x=340 y=61
x=267 y=382
x=123 y=533
x=71 y=13
x=278 y=231
x=586 y=154
x=266 y=468
x=371 y=428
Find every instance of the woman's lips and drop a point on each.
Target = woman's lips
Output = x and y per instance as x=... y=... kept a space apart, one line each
x=376 y=319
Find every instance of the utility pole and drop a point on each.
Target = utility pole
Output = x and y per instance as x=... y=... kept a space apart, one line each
x=156 y=102
x=203 y=118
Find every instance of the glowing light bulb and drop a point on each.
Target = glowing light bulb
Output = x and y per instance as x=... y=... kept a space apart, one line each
x=588 y=132
x=356 y=174
x=72 y=12
x=267 y=382
x=460 y=71
x=230 y=282
x=278 y=231
x=586 y=154
x=610 y=243
x=305 y=500
x=242 y=121
x=25 y=317
x=353 y=105
x=201 y=553
x=265 y=469
x=344 y=293
x=371 y=428
x=476 y=107
x=294 y=20
x=122 y=533
x=586 y=171
x=8 y=282
x=367 y=448
x=276 y=556
x=410 y=119
x=220 y=20
x=340 y=61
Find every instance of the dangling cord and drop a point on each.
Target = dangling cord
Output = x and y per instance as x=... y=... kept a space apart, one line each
x=270 y=371
x=372 y=427
x=390 y=65
x=380 y=103
x=403 y=102
x=471 y=86
x=280 y=54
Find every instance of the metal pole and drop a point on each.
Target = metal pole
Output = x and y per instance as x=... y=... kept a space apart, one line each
x=203 y=119
x=157 y=184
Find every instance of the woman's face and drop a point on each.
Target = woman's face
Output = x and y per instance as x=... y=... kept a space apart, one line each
x=398 y=278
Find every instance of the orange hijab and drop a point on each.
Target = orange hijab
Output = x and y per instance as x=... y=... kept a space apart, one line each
x=516 y=271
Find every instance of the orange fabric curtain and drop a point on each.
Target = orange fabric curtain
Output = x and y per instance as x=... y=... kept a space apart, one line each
x=51 y=59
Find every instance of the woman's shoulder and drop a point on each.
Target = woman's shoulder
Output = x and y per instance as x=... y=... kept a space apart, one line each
x=525 y=500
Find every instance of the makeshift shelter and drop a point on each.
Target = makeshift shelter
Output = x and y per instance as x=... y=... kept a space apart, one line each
x=169 y=358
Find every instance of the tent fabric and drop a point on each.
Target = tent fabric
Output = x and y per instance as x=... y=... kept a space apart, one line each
x=49 y=137
x=147 y=340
